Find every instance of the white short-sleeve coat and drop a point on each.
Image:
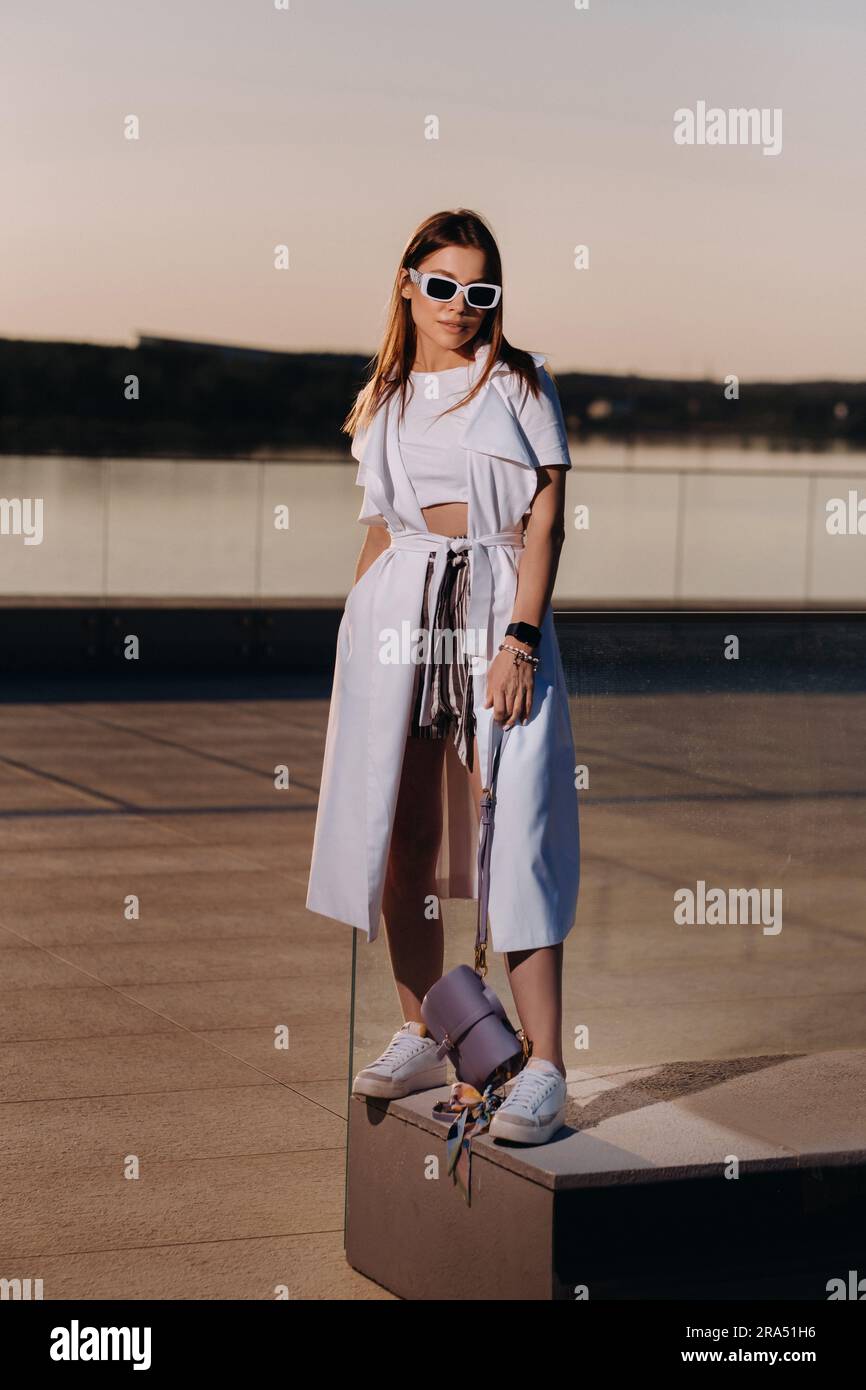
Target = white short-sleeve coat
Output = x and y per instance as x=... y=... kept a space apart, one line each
x=535 y=856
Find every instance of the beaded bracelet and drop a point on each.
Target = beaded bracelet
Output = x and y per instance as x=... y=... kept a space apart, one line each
x=519 y=655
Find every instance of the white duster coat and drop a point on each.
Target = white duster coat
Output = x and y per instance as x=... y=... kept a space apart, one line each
x=535 y=856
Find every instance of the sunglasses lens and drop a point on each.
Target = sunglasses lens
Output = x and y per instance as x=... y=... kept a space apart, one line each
x=440 y=289
x=481 y=296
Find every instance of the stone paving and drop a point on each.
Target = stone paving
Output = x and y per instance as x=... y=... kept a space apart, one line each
x=174 y=1026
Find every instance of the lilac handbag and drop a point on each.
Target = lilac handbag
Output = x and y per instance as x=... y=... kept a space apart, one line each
x=462 y=1013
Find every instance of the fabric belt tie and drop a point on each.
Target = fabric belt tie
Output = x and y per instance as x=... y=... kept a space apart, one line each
x=479 y=617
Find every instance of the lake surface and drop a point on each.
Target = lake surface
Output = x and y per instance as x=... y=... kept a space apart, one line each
x=651 y=522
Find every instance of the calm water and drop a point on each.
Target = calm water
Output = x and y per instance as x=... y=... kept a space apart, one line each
x=652 y=521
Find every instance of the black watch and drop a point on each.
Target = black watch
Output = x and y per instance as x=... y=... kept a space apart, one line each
x=524 y=632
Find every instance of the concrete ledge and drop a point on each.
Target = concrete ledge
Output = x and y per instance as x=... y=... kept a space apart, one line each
x=632 y=1201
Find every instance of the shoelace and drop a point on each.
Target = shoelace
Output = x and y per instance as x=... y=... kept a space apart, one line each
x=525 y=1090
x=397 y=1045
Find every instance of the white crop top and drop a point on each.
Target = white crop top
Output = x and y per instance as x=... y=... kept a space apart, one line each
x=429 y=447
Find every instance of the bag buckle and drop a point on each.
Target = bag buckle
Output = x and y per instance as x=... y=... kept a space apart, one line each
x=481 y=959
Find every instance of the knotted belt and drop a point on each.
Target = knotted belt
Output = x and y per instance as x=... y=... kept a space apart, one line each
x=479 y=616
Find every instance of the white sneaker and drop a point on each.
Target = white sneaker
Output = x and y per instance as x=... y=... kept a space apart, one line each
x=534 y=1108
x=408 y=1064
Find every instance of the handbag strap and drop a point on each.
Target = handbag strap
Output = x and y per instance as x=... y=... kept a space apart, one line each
x=496 y=742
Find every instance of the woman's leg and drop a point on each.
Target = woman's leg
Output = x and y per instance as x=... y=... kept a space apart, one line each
x=415 y=939
x=536 y=982
x=535 y=978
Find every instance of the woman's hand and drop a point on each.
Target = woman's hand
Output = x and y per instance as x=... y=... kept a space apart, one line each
x=510 y=681
x=510 y=685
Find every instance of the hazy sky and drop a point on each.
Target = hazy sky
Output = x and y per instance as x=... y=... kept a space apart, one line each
x=306 y=127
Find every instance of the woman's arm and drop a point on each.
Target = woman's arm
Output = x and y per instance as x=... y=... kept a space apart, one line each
x=377 y=539
x=510 y=681
x=543 y=541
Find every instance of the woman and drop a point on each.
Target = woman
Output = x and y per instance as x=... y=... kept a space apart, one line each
x=462 y=455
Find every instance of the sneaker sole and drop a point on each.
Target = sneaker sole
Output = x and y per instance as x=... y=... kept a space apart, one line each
x=503 y=1128
x=383 y=1089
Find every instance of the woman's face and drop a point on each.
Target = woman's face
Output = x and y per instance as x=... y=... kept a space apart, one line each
x=454 y=324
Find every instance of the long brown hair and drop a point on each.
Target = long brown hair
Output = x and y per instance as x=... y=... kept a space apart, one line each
x=393 y=362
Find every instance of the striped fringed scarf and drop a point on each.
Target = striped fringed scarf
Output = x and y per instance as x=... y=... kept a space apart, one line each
x=451 y=705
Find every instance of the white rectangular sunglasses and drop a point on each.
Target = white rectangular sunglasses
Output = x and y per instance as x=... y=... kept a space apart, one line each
x=478 y=295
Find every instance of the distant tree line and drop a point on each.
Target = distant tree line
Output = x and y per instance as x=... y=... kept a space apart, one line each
x=202 y=400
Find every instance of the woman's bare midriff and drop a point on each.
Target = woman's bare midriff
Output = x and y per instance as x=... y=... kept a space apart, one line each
x=451 y=518
x=447 y=518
